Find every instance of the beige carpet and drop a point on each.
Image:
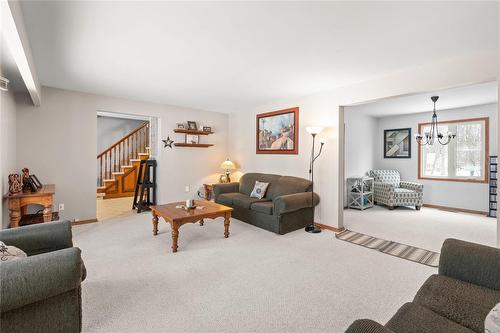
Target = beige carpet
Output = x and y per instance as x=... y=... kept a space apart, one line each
x=254 y=281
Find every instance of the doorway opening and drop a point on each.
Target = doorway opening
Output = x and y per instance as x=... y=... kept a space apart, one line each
x=454 y=179
x=123 y=140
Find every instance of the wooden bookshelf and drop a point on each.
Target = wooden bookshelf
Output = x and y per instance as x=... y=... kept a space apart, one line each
x=194 y=132
x=194 y=145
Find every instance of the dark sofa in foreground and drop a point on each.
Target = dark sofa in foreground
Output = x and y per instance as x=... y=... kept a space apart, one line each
x=286 y=206
x=41 y=293
x=456 y=300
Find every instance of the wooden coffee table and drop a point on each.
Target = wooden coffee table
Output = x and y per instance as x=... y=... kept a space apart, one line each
x=179 y=216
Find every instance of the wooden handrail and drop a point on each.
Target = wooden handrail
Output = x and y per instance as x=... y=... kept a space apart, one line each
x=145 y=124
x=121 y=152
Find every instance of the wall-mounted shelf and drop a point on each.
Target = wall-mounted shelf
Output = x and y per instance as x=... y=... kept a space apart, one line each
x=493 y=170
x=194 y=145
x=194 y=132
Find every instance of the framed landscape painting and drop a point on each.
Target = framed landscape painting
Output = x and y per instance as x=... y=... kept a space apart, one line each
x=277 y=132
x=397 y=143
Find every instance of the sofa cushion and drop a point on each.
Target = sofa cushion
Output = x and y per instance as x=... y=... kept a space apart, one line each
x=464 y=303
x=227 y=198
x=289 y=185
x=413 y=318
x=247 y=182
x=244 y=201
x=263 y=207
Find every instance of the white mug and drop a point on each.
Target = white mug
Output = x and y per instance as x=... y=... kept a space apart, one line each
x=189 y=203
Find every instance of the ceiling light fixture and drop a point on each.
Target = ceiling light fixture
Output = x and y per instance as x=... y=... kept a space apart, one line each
x=429 y=137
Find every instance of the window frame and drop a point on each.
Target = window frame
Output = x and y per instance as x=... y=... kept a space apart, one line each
x=484 y=180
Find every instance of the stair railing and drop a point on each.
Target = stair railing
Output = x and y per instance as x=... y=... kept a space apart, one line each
x=121 y=152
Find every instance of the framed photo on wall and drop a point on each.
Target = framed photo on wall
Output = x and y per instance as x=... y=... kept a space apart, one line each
x=397 y=143
x=192 y=139
x=277 y=132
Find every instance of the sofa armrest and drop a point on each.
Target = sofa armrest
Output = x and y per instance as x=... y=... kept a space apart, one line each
x=39 y=238
x=225 y=188
x=32 y=279
x=412 y=186
x=293 y=202
x=367 y=326
x=469 y=262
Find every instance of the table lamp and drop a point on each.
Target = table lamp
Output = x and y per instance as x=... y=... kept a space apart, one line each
x=226 y=165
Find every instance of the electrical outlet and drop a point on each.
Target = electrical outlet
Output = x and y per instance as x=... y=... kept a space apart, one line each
x=61 y=207
x=186 y=189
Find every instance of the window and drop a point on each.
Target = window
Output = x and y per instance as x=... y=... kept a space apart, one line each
x=463 y=159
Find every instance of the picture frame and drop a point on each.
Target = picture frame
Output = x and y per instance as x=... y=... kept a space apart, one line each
x=35 y=180
x=192 y=139
x=277 y=132
x=207 y=129
x=397 y=143
x=181 y=126
x=192 y=125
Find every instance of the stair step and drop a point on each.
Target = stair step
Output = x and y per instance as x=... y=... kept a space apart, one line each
x=101 y=188
x=135 y=160
x=127 y=166
x=109 y=180
x=118 y=173
x=143 y=154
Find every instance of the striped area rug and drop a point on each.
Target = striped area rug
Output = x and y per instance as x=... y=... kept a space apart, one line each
x=407 y=252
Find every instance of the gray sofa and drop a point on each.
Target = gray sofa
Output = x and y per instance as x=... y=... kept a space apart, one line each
x=41 y=293
x=286 y=206
x=455 y=300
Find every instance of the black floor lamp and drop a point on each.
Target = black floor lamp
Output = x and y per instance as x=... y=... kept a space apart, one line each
x=313 y=130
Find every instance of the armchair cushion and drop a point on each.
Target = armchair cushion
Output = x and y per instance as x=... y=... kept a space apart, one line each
x=412 y=186
x=39 y=277
x=461 y=302
x=367 y=326
x=386 y=176
x=39 y=238
x=470 y=262
x=413 y=318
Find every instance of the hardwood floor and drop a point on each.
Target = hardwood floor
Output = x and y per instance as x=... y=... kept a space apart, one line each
x=111 y=208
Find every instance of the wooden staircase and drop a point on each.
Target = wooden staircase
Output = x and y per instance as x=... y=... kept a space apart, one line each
x=118 y=165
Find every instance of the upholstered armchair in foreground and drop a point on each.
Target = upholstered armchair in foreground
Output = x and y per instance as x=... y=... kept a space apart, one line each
x=41 y=293
x=456 y=300
x=391 y=191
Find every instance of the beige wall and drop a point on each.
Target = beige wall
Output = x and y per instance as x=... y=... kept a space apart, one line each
x=323 y=109
x=57 y=141
x=7 y=148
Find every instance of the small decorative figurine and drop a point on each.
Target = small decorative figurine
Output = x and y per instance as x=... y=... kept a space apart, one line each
x=14 y=183
x=28 y=185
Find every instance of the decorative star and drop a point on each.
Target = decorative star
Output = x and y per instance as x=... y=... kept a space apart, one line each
x=168 y=142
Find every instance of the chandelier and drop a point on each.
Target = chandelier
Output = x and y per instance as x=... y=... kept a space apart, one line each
x=429 y=137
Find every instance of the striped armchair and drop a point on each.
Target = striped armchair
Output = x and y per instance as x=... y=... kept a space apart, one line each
x=391 y=191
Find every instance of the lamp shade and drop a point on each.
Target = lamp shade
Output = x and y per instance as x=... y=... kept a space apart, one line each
x=227 y=165
x=314 y=129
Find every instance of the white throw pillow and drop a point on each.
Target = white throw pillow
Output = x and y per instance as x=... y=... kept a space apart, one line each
x=492 y=321
x=10 y=253
x=259 y=190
